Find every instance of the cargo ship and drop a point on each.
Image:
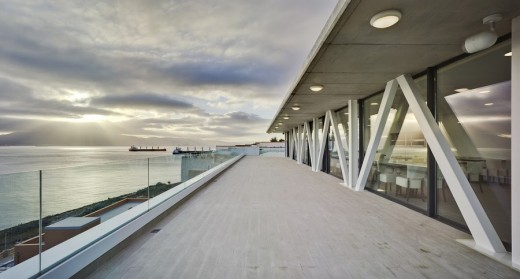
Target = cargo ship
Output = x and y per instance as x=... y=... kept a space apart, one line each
x=135 y=148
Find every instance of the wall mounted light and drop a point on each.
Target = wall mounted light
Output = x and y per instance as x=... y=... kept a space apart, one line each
x=295 y=107
x=316 y=87
x=385 y=19
x=483 y=40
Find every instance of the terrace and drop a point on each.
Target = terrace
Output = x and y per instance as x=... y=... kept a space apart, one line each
x=270 y=218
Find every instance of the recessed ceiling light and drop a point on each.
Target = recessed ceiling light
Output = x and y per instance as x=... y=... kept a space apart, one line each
x=489 y=104
x=461 y=89
x=296 y=107
x=484 y=92
x=374 y=104
x=280 y=123
x=507 y=136
x=316 y=87
x=286 y=117
x=346 y=112
x=509 y=54
x=385 y=19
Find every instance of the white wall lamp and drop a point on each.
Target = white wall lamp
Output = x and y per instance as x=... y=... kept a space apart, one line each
x=316 y=87
x=385 y=19
x=483 y=40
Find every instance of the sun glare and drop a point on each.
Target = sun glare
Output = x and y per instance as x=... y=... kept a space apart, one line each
x=92 y=118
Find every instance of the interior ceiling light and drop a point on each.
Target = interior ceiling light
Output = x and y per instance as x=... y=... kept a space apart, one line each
x=280 y=123
x=484 y=92
x=286 y=117
x=346 y=112
x=295 y=107
x=484 y=39
x=509 y=54
x=461 y=89
x=374 y=104
x=385 y=19
x=316 y=87
x=489 y=104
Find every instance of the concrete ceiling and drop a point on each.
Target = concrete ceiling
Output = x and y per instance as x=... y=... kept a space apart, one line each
x=356 y=60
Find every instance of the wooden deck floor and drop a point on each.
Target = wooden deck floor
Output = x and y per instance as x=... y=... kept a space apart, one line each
x=271 y=218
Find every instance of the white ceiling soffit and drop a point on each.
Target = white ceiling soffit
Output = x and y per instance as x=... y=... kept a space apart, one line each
x=352 y=59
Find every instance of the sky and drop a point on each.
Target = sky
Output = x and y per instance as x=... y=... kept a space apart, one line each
x=149 y=72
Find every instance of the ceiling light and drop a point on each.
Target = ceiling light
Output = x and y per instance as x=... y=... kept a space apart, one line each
x=316 y=88
x=374 y=104
x=286 y=117
x=489 y=104
x=484 y=92
x=280 y=123
x=296 y=107
x=346 y=112
x=461 y=89
x=509 y=54
x=483 y=40
x=507 y=136
x=385 y=19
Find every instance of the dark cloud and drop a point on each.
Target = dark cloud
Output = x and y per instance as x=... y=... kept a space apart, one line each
x=142 y=101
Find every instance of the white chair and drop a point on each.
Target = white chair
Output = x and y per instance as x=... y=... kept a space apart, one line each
x=386 y=175
x=415 y=176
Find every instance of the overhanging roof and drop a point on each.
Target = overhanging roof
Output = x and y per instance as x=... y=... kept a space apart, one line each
x=352 y=60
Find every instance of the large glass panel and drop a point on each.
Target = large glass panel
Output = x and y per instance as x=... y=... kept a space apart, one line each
x=19 y=214
x=399 y=168
x=335 y=167
x=474 y=113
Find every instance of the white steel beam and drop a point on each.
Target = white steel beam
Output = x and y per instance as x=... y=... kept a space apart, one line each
x=316 y=141
x=353 y=142
x=483 y=232
x=339 y=146
x=324 y=134
x=382 y=115
x=515 y=143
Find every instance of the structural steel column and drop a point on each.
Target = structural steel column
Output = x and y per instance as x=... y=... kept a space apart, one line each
x=353 y=142
x=483 y=232
x=515 y=143
x=316 y=141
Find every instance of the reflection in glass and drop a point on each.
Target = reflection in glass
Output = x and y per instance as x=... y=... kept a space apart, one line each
x=335 y=167
x=399 y=169
x=474 y=113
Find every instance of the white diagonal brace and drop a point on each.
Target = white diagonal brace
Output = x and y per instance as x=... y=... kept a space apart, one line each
x=339 y=146
x=303 y=141
x=382 y=115
x=323 y=141
x=316 y=143
x=476 y=218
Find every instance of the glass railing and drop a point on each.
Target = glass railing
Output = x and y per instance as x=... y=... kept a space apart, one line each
x=58 y=204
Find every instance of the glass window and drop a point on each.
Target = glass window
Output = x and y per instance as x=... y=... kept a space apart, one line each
x=399 y=169
x=474 y=113
x=335 y=167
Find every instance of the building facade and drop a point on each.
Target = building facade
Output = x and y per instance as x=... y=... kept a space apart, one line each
x=407 y=113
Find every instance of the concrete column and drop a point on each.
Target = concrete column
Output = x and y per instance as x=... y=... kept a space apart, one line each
x=515 y=143
x=353 y=142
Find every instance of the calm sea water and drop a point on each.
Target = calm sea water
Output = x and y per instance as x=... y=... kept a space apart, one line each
x=74 y=176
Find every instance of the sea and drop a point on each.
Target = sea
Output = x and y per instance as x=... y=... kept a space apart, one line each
x=72 y=177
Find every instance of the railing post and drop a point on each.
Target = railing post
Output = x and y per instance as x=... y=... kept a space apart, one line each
x=40 y=230
x=148 y=183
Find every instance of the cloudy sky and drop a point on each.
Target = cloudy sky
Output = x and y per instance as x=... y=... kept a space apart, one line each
x=165 y=72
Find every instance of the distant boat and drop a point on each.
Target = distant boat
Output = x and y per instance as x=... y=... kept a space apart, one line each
x=135 y=148
x=177 y=150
